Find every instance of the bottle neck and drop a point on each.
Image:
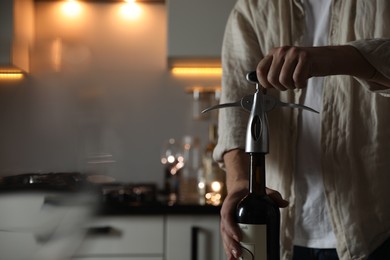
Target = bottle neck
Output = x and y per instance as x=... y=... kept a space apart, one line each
x=257 y=174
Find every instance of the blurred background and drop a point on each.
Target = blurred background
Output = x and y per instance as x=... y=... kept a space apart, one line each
x=98 y=92
x=103 y=151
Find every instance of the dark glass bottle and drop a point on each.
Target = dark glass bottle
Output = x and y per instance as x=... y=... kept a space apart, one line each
x=258 y=216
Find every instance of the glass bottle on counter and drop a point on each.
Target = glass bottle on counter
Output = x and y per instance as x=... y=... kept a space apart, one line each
x=172 y=159
x=215 y=189
x=191 y=173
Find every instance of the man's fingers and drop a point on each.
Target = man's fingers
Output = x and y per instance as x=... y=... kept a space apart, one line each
x=230 y=244
x=262 y=71
x=231 y=233
x=277 y=198
x=302 y=72
x=286 y=67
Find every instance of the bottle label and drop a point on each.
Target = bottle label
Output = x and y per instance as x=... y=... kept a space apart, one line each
x=254 y=242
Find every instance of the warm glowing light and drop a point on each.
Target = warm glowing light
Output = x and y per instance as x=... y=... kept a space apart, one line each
x=11 y=74
x=197 y=71
x=180 y=164
x=171 y=159
x=71 y=8
x=201 y=185
x=213 y=198
x=216 y=186
x=130 y=10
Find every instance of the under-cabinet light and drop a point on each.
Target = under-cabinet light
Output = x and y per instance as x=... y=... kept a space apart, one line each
x=11 y=74
x=197 y=71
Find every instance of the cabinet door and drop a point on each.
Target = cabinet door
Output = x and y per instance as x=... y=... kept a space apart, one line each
x=193 y=238
x=196 y=27
x=124 y=236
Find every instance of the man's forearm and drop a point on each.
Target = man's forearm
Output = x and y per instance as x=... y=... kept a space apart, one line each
x=237 y=164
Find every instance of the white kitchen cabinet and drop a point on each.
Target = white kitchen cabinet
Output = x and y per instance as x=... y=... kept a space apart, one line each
x=124 y=238
x=153 y=237
x=193 y=237
x=196 y=28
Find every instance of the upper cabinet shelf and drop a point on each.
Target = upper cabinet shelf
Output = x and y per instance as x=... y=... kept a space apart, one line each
x=110 y=1
x=16 y=30
x=195 y=31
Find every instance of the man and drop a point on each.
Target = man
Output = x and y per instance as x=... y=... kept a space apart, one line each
x=332 y=168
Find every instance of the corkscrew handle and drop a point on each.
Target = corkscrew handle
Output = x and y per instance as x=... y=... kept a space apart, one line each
x=272 y=102
x=252 y=77
x=257 y=137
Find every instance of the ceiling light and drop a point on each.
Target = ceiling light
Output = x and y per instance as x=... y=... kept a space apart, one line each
x=71 y=8
x=130 y=9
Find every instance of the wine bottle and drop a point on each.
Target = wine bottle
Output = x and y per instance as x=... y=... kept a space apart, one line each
x=258 y=216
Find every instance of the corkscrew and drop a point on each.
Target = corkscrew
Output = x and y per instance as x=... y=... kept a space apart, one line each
x=258 y=104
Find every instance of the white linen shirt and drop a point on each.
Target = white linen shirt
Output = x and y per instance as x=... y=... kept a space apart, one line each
x=355 y=125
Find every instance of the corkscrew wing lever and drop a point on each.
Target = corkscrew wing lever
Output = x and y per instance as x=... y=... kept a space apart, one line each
x=270 y=103
x=258 y=104
x=245 y=102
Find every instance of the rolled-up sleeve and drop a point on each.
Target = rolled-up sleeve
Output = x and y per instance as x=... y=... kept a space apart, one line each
x=377 y=53
x=240 y=53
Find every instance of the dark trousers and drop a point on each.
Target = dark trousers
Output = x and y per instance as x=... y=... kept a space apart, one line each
x=305 y=253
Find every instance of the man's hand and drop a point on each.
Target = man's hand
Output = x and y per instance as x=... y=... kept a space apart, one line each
x=237 y=164
x=231 y=234
x=290 y=67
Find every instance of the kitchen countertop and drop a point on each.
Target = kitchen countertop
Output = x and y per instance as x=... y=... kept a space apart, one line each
x=156 y=209
x=119 y=200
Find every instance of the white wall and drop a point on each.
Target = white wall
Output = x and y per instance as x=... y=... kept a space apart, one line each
x=99 y=85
